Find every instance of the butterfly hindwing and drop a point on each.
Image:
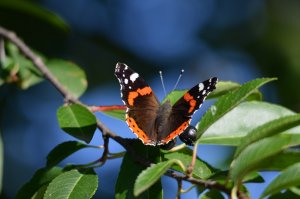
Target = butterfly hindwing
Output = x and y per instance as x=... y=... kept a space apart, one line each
x=182 y=111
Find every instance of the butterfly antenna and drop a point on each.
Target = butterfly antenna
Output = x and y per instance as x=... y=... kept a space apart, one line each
x=180 y=75
x=162 y=82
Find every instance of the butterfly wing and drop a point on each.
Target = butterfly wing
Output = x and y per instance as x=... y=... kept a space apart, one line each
x=182 y=111
x=142 y=104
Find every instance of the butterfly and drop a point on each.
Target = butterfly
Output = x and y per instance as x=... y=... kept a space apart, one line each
x=152 y=122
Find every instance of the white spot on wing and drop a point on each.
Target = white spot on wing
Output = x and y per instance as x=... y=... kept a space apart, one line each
x=126 y=81
x=201 y=87
x=134 y=76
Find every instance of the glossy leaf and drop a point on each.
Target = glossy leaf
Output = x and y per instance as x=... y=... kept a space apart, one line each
x=268 y=129
x=232 y=127
x=254 y=155
x=71 y=76
x=151 y=175
x=40 y=180
x=77 y=121
x=62 y=151
x=289 y=177
x=73 y=184
x=227 y=102
x=131 y=169
x=202 y=169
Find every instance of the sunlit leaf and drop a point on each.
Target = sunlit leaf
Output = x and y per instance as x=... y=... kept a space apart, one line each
x=202 y=169
x=227 y=102
x=254 y=155
x=119 y=114
x=268 y=129
x=77 y=121
x=72 y=185
x=232 y=127
x=150 y=176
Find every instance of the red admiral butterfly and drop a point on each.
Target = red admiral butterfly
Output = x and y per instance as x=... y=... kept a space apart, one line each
x=152 y=122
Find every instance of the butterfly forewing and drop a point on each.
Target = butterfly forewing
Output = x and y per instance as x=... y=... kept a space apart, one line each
x=142 y=104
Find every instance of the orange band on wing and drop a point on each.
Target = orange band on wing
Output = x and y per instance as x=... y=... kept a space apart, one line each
x=139 y=132
x=178 y=131
x=144 y=91
x=187 y=97
x=134 y=94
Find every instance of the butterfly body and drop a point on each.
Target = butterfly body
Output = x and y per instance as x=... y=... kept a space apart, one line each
x=152 y=122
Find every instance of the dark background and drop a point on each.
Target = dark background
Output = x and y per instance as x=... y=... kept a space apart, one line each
x=233 y=40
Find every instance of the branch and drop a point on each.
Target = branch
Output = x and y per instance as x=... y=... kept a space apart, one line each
x=106 y=132
x=38 y=62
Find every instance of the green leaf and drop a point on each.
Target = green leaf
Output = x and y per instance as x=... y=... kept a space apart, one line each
x=39 y=194
x=285 y=195
x=202 y=169
x=174 y=96
x=223 y=88
x=131 y=169
x=281 y=160
x=253 y=157
x=36 y=186
x=271 y=128
x=119 y=114
x=151 y=175
x=227 y=102
x=71 y=76
x=17 y=69
x=287 y=178
x=212 y=194
x=232 y=127
x=73 y=184
x=63 y=150
x=253 y=177
x=77 y=121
